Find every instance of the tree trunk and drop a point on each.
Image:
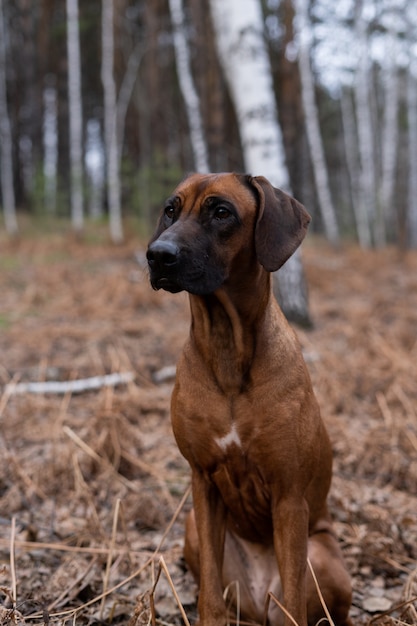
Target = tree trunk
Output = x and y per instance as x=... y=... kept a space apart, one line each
x=350 y=145
x=6 y=150
x=389 y=143
x=290 y=106
x=239 y=25
x=293 y=297
x=94 y=163
x=75 y=115
x=126 y=90
x=312 y=123
x=364 y=121
x=188 y=90
x=28 y=49
x=214 y=105
x=110 y=125
x=50 y=144
x=412 y=156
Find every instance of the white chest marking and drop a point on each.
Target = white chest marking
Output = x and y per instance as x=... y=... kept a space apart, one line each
x=232 y=437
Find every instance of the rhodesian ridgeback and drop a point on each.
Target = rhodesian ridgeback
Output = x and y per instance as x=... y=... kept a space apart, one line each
x=244 y=414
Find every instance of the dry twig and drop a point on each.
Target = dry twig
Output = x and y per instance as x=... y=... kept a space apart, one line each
x=70 y=386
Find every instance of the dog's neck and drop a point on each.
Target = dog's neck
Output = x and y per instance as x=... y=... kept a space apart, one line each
x=225 y=326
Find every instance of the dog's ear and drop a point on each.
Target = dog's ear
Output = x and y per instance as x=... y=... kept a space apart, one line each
x=281 y=226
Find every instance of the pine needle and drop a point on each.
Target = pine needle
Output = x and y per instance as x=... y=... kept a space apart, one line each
x=13 y=563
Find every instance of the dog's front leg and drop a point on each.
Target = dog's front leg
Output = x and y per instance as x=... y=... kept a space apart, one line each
x=290 y=519
x=210 y=521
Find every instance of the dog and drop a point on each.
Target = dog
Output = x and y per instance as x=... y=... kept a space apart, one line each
x=244 y=414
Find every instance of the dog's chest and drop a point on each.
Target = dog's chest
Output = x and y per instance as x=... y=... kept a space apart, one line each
x=241 y=483
x=223 y=438
x=238 y=475
x=230 y=440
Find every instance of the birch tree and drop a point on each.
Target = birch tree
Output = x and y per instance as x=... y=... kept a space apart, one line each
x=389 y=140
x=239 y=26
x=188 y=90
x=94 y=163
x=337 y=57
x=350 y=145
x=367 y=194
x=50 y=144
x=110 y=123
x=412 y=151
x=304 y=32
x=6 y=150
x=75 y=115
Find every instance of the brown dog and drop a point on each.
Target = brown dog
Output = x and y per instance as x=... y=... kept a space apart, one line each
x=243 y=410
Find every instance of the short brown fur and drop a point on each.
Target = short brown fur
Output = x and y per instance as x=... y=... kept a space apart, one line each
x=243 y=410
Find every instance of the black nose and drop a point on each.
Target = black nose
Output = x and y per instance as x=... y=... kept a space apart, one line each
x=162 y=254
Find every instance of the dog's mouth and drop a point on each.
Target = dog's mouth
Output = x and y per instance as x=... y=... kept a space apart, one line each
x=194 y=279
x=167 y=284
x=194 y=286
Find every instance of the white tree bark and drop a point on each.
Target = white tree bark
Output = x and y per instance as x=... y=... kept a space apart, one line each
x=94 y=164
x=239 y=27
x=188 y=90
x=6 y=150
x=110 y=125
x=364 y=121
x=385 y=216
x=239 y=35
x=304 y=32
x=350 y=143
x=412 y=152
x=75 y=115
x=50 y=144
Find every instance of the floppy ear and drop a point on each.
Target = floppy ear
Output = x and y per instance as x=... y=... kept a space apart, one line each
x=281 y=226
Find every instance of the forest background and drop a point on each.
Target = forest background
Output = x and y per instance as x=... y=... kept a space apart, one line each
x=105 y=106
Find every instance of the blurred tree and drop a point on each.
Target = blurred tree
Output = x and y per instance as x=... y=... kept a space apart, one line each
x=365 y=118
x=219 y=119
x=186 y=81
x=352 y=157
x=110 y=125
x=314 y=136
x=287 y=86
x=389 y=143
x=94 y=164
x=6 y=152
x=26 y=93
x=412 y=154
x=50 y=143
x=75 y=115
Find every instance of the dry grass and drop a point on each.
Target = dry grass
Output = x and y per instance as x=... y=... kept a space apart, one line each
x=90 y=484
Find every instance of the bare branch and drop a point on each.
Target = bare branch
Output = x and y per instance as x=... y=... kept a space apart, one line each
x=70 y=386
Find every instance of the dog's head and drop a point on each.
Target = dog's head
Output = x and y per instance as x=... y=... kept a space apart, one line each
x=218 y=223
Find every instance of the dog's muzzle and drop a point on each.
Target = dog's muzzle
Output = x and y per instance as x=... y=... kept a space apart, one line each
x=163 y=261
x=176 y=267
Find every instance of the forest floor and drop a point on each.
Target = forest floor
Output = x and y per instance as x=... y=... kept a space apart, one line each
x=91 y=483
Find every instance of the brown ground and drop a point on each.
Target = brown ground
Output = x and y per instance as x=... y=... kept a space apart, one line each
x=90 y=482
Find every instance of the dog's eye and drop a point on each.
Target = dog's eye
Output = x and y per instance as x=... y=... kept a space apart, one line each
x=169 y=212
x=221 y=213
